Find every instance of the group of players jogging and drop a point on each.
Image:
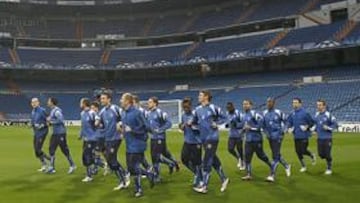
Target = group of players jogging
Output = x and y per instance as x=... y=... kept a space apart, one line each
x=102 y=131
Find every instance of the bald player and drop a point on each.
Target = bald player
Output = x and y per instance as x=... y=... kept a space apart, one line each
x=40 y=129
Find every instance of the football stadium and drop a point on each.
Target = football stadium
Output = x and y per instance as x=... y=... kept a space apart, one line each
x=186 y=101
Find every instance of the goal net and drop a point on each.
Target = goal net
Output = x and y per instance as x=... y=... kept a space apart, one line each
x=171 y=107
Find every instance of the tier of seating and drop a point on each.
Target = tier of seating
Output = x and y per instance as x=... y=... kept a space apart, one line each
x=341 y=93
x=160 y=24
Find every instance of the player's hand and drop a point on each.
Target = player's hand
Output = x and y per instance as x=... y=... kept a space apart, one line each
x=326 y=127
x=119 y=126
x=290 y=130
x=214 y=125
x=304 y=127
x=127 y=128
x=181 y=126
x=247 y=127
x=156 y=130
x=189 y=123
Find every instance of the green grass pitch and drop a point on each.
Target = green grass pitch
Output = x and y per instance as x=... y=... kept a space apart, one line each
x=20 y=182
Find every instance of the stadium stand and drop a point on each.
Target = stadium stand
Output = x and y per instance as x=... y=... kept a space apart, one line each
x=340 y=89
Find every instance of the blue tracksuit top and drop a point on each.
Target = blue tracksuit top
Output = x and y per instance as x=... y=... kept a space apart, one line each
x=109 y=117
x=297 y=118
x=88 y=129
x=325 y=118
x=235 y=124
x=254 y=120
x=205 y=117
x=159 y=122
x=191 y=134
x=274 y=123
x=135 y=138
x=38 y=122
x=57 y=121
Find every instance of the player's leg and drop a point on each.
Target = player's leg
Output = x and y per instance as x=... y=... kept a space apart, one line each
x=328 y=157
x=112 y=148
x=54 y=142
x=249 y=151
x=306 y=151
x=299 y=153
x=65 y=150
x=88 y=159
x=259 y=150
x=155 y=150
x=38 y=143
x=240 y=150
x=167 y=154
x=218 y=167
x=195 y=156
x=186 y=157
x=231 y=148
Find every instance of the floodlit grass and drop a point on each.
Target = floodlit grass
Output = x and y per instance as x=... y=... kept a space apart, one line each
x=20 y=182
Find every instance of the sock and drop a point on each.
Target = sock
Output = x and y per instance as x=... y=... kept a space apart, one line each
x=248 y=169
x=52 y=161
x=137 y=181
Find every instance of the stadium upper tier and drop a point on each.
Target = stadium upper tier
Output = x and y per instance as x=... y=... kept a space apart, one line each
x=171 y=22
x=176 y=54
x=340 y=89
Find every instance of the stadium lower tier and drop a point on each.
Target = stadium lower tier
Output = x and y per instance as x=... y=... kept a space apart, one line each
x=343 y=98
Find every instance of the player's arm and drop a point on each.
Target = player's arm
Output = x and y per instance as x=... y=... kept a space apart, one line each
x=333 y=124
x=257 y=125
x=167 y=123
x=57 y=119
x=143 y=126
x=221 y=116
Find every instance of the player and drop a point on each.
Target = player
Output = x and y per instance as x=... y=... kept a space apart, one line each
x=235 y=141
x=254 y=142
x=100 y=142
x=88 y=134
x=208 y=117
x=135 y=128
x=145 y=163
x=40 y=129
x=109 y=117
x=159 y=123
x=58 y=138
x=274 y=128
x=299 y=123
x=191 y=150
x=325 y=125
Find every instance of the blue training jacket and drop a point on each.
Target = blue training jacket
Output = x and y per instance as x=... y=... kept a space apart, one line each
x=38 y=122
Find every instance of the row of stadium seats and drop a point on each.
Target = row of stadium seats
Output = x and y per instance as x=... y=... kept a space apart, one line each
x=339 y=96
x=212 y=50
x=340 y=88
x=163 y=24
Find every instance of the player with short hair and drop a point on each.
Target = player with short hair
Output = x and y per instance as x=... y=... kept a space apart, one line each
x=191 y=150
x=300 y=123
x=88 y=134
x=136 y=99
x=40 y=129
x=254 y=141
x=274 y=128
x=235 y=141
x=208 y=117
x=100 y=141
x=134 y=129
x=58 y=138
x=159 y=122
x=110 y=118
x=325 y=124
